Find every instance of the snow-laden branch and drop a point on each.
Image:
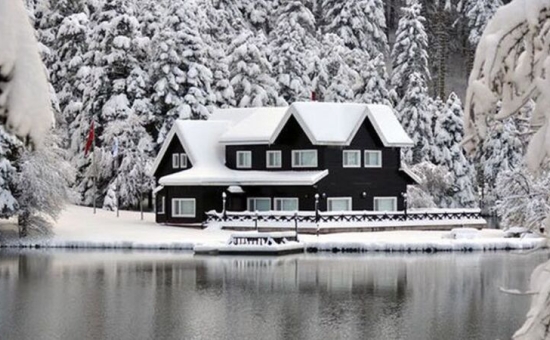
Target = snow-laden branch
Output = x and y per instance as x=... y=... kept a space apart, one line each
x=24 y=93
x=511 y=65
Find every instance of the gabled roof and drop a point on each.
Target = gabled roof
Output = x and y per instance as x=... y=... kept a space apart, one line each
x=388 y=127
x=259 y=126
x=323 y=123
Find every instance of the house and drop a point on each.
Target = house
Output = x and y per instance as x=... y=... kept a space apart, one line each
x=279 y=158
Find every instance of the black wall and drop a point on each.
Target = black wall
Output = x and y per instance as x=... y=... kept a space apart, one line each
x=165 y=167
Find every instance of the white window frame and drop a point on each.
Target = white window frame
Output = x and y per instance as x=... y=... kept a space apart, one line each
x=349 y=199
x=273 y=152
x=366 y=158
x=183 y=160
x=177 y=200
x=378 y=198
x=176 y=160
x=295 y=158
x=279 y=199
x=254 y=199
x=358 y=152
x=244 y=166
x=162 y=209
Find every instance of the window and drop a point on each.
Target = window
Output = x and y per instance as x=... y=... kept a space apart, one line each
x=304 y=158
x=286 y=204
x=351 y=159
x=244 y=159
x=373 y=159
x=183 y=160
x=176 y=160
x=339 y=204
x=183 y=207
x=160 y=206
x=259 y=204
x=273 y=159
x=385 y=203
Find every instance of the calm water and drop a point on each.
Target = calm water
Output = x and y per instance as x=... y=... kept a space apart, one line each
x=114 y=295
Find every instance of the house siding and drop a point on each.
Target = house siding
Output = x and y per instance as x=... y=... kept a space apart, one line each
x=165 y=167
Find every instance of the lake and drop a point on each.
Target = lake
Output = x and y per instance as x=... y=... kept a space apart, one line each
x=156 y=295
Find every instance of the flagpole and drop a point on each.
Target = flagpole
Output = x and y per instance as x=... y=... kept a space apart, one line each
x=94 y=169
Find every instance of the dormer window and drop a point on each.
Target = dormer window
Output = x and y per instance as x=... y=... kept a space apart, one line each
x=183 y=160
x=304 y=158
x=244 y=159
x=179 y=160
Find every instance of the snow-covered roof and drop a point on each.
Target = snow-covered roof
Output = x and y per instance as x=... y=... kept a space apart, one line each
x=388 y=127
x=260 y=126
x=218 y=174
x=410 y=173
x=329 y=123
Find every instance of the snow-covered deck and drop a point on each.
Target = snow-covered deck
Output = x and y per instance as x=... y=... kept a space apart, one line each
x=78 y=227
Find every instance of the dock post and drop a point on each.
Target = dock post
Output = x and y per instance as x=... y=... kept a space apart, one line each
x=296 y=224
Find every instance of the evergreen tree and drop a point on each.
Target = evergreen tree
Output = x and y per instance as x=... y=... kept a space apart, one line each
x=449 y=153
x=250 y=74
x=293 y=45
x=9 y=146
x=334 y=78
x=370 y=86
x=478 y=13
x=414 y=115
x=409 y=54
x=361 y=24
x=502 y=150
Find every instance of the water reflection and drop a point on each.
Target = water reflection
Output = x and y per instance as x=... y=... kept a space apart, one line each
x=95 y=295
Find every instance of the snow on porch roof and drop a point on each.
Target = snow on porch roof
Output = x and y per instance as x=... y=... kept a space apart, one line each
x=222 y=176
x=260 y=126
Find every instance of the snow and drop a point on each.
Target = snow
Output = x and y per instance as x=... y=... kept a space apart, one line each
x=388 y=127
x=25 y=96
x=329 y=123
x=260 y=127
x=464 y=233
x=78 y=227
x=207 y=156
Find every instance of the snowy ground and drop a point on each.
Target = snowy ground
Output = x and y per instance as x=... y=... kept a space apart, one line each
x=78 y=227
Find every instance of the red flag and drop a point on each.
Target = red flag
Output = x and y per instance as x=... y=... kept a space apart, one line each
x=90 y=140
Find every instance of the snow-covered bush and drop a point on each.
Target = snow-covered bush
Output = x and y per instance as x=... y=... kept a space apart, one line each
x=417 y=198
x=436 y=181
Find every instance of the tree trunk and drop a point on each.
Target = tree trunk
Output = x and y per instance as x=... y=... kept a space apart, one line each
x=23 y=224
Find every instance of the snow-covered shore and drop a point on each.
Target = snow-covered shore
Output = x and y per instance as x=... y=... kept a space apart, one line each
x=78 y=227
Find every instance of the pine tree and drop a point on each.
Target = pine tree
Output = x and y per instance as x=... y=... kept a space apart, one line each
x=334 y=79
x=250 y=75
x=361 y=24
x=478 y=13
x=414 y=115
x=502 y=150
x=409 y=54
x=9 y=146
x=371 y=86
x=293 y=45
x=449 y=131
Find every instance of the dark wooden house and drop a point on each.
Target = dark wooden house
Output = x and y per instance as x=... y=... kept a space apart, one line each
x=279 y=158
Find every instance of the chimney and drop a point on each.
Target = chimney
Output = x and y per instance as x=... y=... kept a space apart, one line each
x=313 y=96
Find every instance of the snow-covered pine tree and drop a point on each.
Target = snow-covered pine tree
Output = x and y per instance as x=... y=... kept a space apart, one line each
x=501 y=151
x=478 y=13
x=292 y=46
x=371 y=85
x=250 y=72
x=258 y=14
x=409 y=54
x=449 y=131
x=414 y=115
x=333 y=78
x=181 y=78
x=360 y=24
x=9 y=149
x=43 y=182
